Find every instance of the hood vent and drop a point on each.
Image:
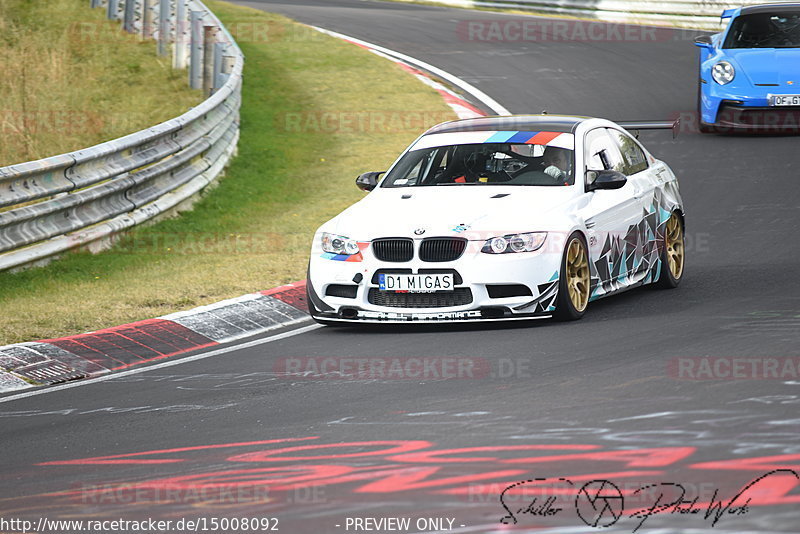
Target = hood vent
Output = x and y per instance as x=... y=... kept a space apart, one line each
x=500 y=195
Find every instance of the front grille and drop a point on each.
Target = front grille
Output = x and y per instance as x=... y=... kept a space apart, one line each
x=393 y=249
x=341 y=290
x=439 y=249
x=460 y=296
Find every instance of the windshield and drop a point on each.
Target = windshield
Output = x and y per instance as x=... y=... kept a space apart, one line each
x=765 y=30
x=548 y=163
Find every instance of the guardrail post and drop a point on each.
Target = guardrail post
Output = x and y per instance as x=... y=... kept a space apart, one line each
x=209 y=39
x=95 y=3
x=163 y=27
x=228 y=62
x=219 y=77
x=179 y=51
x=113 y=7
x=147 y=19
x=129 y=18
x=225 y=68
x=196 y=50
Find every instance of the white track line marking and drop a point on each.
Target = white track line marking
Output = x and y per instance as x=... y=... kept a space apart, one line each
x=488 y=101
x=169 y=363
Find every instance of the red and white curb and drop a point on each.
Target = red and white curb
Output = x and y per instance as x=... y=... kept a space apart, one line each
x=51 y=361
x=93 y=354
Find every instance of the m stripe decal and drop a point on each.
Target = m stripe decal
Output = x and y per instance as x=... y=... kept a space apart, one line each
x=522 y=137
x=542 y=138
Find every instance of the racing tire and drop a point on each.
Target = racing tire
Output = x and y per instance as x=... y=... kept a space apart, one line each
x=673 y=253
x=574 y=284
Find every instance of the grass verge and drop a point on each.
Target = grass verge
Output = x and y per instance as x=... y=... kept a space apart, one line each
x=72 y=79
x=317 y=111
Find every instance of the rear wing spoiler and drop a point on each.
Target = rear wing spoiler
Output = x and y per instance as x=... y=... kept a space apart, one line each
x=728 y=13
x=635 y=126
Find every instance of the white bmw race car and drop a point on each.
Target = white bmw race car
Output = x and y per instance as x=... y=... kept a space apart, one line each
x=501 y=218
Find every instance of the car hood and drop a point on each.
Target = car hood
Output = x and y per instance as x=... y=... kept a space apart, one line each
x=466 y=211
x=769 y=65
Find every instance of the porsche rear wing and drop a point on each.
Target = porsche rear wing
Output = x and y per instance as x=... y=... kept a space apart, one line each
x=635 y=126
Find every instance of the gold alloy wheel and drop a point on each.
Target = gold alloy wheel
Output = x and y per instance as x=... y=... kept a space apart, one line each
x=578 y=274
x=674 y=243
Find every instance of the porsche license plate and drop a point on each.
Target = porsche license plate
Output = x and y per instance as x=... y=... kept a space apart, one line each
x=416 y=283
x=784 y=100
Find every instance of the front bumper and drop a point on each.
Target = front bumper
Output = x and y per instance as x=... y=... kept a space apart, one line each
x=487 y=288
x=758 y=119
x=739 y=111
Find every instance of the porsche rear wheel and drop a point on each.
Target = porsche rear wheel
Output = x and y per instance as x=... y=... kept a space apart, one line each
x=673 y=253
x=574 y=283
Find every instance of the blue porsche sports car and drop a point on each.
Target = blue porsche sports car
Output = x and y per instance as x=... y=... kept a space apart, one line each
x=750 y=72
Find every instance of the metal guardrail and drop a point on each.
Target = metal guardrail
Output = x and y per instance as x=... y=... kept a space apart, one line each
x=84 y=198
x=698 y=14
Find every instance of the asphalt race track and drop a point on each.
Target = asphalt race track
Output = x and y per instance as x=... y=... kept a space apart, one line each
x=636 y=393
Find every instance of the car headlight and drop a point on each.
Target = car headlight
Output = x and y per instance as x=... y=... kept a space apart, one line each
x=337 y=244
x=514 y=243
x=723 y=72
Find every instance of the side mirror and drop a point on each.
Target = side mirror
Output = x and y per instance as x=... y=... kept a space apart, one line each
x=368 y=180
x=703 y=41
x=605 y=180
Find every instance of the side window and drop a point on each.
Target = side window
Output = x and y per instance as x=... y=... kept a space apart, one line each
x=602 y=152
x=632 y=155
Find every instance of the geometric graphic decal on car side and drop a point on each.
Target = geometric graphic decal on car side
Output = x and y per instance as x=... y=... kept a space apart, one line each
x=633 y=258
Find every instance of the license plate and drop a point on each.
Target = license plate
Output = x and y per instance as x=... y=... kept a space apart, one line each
x=784 y=100
x=416 y=283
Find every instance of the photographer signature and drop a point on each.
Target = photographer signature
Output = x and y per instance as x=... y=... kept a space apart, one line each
x=600 y=503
